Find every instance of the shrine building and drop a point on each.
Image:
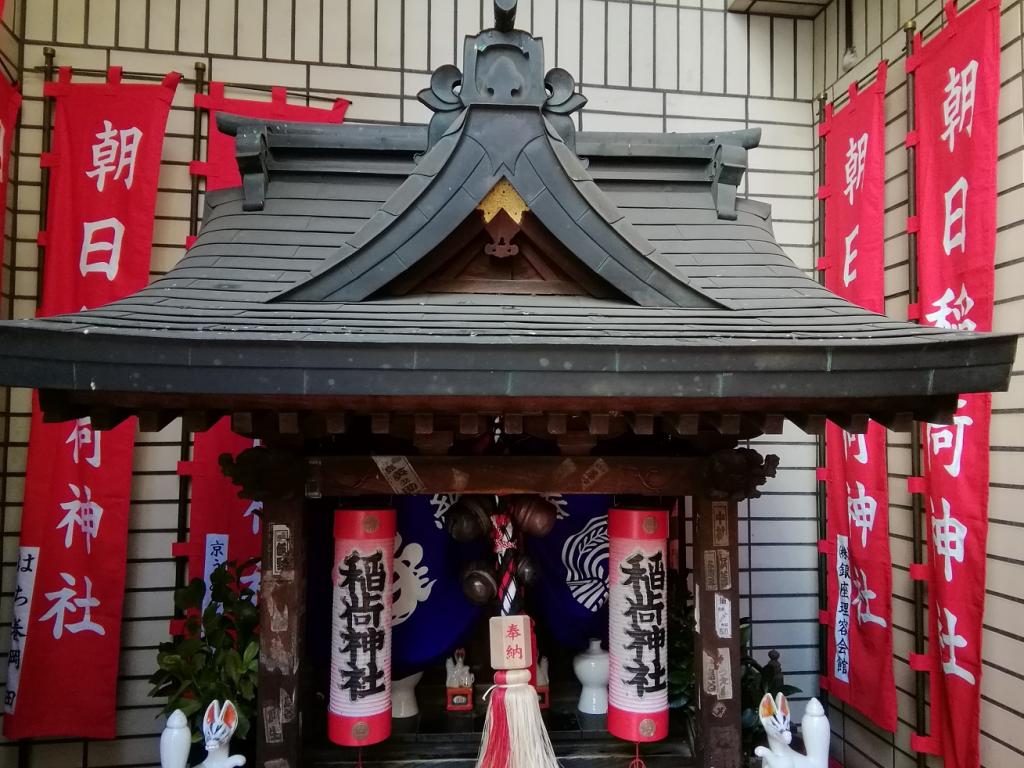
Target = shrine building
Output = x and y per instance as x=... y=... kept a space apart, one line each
x=522 y=282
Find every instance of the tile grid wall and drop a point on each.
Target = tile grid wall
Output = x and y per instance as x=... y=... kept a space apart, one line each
x=877 y=32
x=674 y=65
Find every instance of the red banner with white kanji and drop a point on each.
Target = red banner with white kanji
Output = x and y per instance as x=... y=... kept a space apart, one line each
x=10 y=103
x=220 y=168
x=66 y=624
x=859 y=617
x=956 y=77
x=223 y=527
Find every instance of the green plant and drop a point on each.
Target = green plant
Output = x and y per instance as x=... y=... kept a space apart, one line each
x=217 y=657
x=755 y=681
x=682 y=675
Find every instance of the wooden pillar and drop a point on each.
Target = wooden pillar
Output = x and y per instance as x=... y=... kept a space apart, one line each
x=282 y=625
x=717 y=640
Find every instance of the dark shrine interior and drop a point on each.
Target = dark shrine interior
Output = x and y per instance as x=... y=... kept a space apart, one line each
x=453 y=738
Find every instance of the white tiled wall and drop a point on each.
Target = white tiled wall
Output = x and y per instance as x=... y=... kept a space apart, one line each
x=670 y=65
x=876 y=33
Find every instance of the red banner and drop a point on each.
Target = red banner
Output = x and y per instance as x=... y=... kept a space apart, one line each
x=66 y=627
x=222 y=526
x=10 y=103
x=956 y=80
x=220 y=168
x=860 y=668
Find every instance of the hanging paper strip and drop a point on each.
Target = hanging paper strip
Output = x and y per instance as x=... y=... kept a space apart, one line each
x=860 y=669
x=637 y=628
x=10 y=103
x=223 y=527
x=956 y=95
x=66 y=628
x=360 y=701
x=220 y=168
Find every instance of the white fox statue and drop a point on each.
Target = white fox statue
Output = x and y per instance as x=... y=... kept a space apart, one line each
x=219 y=724
x=814 y=728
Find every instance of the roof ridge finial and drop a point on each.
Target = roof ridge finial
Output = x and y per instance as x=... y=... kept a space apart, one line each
x=505 y=15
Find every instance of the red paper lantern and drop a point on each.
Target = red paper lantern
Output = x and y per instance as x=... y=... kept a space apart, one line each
x=638 y=624
x=364 y=551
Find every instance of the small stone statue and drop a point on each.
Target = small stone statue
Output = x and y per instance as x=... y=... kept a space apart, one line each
x=459 y=674
x=459 y=683
x=219 y=724
x=814 y=728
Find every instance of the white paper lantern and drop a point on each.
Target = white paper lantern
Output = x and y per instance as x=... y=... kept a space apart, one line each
x=360 y=703
x=638 y=624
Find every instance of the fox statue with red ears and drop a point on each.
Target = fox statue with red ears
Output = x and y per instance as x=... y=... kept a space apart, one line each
x=219 y=724
x=814 y=728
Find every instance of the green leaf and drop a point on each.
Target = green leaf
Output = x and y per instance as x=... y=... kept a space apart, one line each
x=218 y=656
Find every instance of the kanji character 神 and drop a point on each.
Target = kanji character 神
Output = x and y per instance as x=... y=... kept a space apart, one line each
x=948 y=535
x=82 y=512
x=861 y=509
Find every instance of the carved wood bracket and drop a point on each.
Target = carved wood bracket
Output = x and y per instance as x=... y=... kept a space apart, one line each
x=266 y=474
x=738 y=474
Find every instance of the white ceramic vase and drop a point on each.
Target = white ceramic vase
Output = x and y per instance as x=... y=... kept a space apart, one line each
x=591 y=668
x=403 y=696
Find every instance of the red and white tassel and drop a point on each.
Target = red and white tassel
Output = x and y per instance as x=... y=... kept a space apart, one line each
x=514 y=733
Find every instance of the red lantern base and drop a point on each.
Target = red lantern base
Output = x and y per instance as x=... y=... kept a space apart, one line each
x=637 y=726
x=359 y=731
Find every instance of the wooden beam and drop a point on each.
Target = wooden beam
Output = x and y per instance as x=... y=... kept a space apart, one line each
x=600 y=423
x=897 y=422
x=380 y=475
x=811 y=423
x=470 y=424
x=558 y=424
x=435 y=444
x=106 y=419
x=725 y=423
x=423 y=423
x=155 y=421
x=243 y=423
x=282 y=621
x=288 y=423
x=380 y=423
x=513 y=423
x=336 y=423
x=642 y=423
x=199 y=421
x=854 y=423
x=684 y=424
x=717 y=636
x=576 y=443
